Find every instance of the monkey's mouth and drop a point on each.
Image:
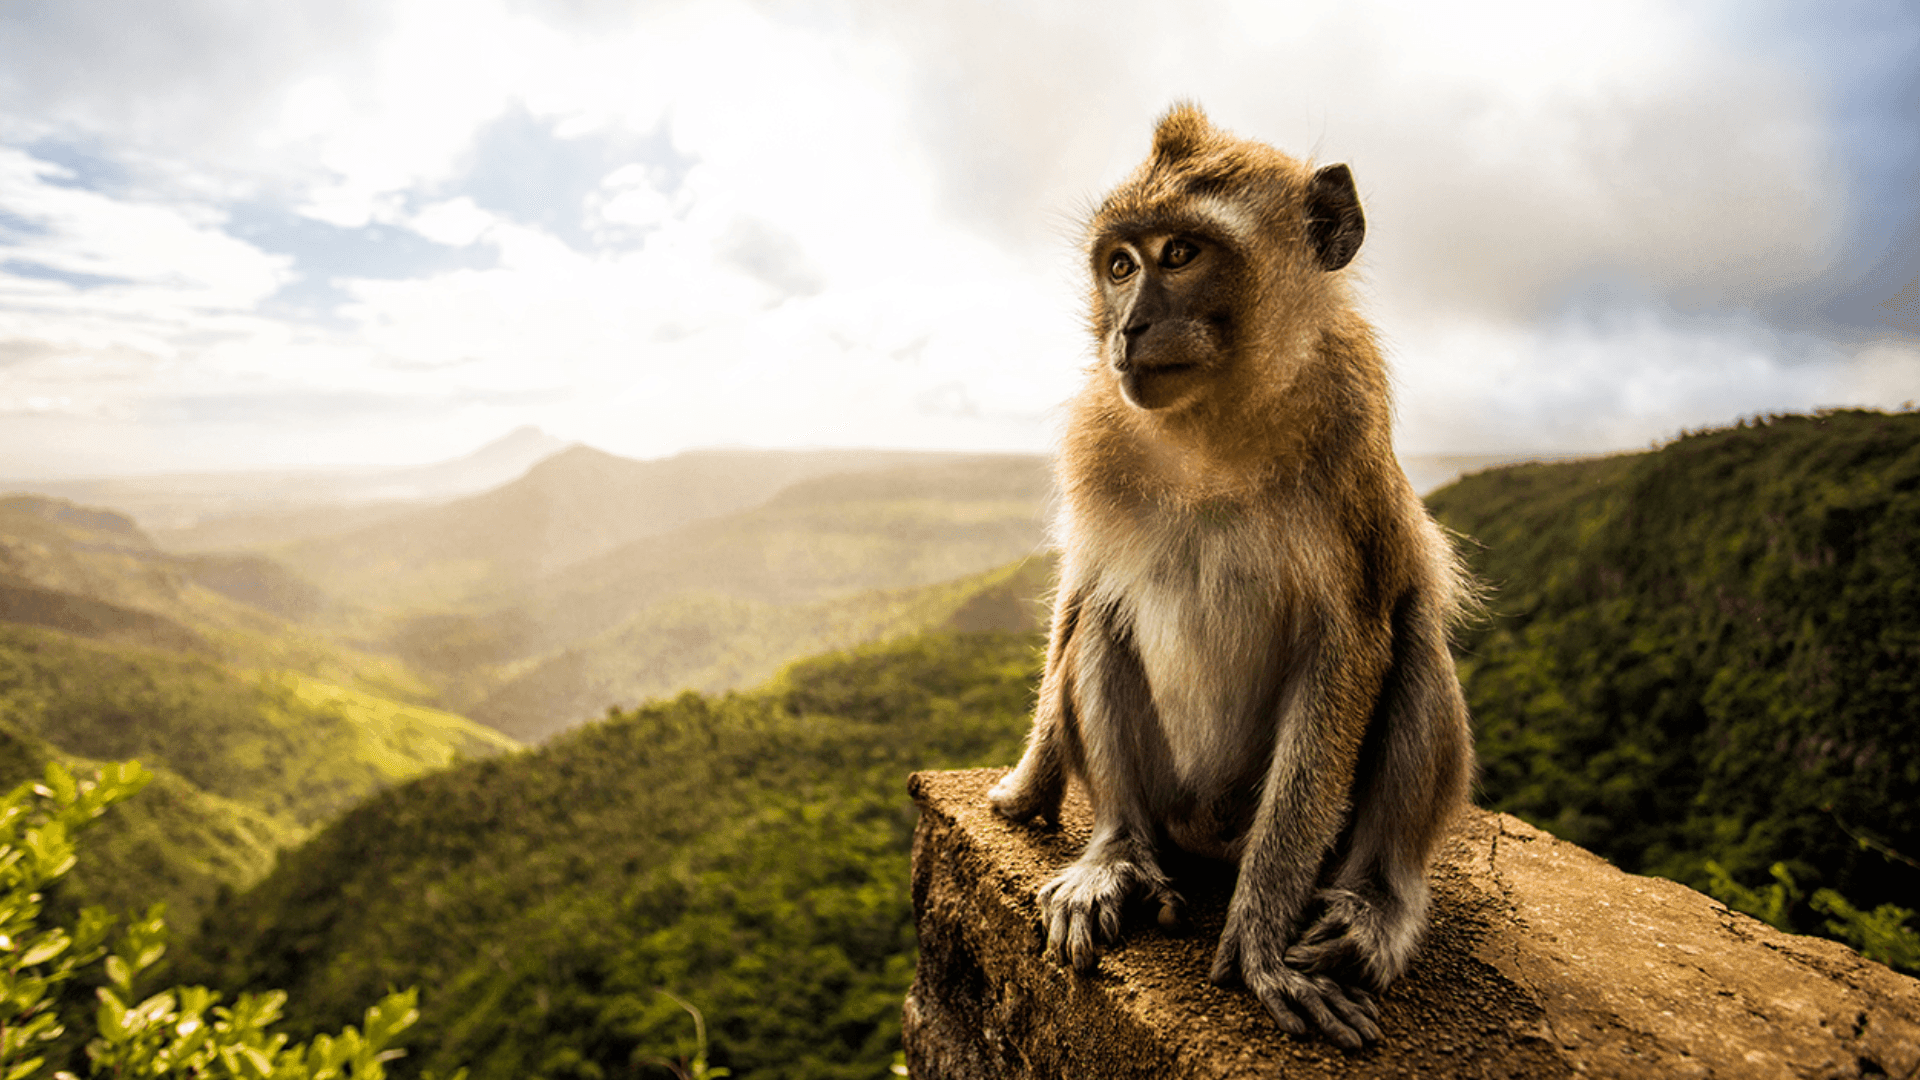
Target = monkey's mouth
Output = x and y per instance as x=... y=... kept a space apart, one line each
x=1155 y=387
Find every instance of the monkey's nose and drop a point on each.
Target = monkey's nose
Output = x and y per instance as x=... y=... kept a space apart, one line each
x=1129 y=339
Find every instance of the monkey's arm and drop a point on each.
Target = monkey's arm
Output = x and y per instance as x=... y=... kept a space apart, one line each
x=1322 y=717
x=1411 y=781
x=1035 y=786
x=1109 y=743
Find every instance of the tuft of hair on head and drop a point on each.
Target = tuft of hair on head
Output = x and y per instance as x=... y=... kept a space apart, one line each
x=1182 y=132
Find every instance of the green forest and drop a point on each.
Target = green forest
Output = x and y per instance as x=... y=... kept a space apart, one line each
x=1698 y=661
x=1710 y=654
x=747 y=852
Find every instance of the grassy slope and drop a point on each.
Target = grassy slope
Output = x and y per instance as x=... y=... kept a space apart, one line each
x=283 y=742
x=711 y=644
x=720 y=603
x=111 y=649
x=749 y=852
x=91 y=573
x=1710 y=651
x=175 y=843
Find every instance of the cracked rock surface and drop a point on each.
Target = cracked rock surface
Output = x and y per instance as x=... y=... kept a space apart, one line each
x=1541 y=961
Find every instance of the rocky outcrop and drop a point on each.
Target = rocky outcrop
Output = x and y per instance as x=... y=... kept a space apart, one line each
x=1542 y=961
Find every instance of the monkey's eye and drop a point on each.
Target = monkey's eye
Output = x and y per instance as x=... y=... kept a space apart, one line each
x=1120 y=266
x=1178 y=253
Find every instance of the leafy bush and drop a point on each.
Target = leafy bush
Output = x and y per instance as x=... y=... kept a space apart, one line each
x=1881 y=934
x=182 y=1032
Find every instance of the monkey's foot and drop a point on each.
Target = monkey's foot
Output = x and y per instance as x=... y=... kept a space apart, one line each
x=1298 y=1001
x=1081 y=908
x=1355 y=942
x=1020 y=799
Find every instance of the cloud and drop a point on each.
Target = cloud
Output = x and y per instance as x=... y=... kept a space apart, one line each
x=1621 y=373
x=202 y=75
x=770 y=256
x=16 y=351
x=849 y=221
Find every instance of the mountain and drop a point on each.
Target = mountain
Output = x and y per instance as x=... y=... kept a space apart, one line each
x=1429 y=472
x=259 y=729
x=226 y=511
x=573 y=506
x=719 y=603
x=748 y=852
x=1704 y=652
x=93 y=573
x=709 y=644
x=1709 y=652
x=829 y=536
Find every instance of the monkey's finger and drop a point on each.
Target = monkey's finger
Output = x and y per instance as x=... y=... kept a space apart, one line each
x=1365 y=1001
x=1080 y=942
x=1226 y=961
x=1322 y=931
x=1109 y=922
x=1308 y=998
x=1341 y=1001
x=1325 y=957
x=1283 y=1014
x=1057 y=933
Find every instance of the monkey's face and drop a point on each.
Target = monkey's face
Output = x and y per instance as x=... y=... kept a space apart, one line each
x=1210 y=264
x=1167 y=302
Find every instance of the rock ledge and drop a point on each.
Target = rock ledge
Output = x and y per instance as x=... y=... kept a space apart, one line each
x=1542 y=961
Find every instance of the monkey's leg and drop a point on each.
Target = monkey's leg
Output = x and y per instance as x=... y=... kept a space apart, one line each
x=1411 y=780
x=1035 y=786
x=1082 y=906
x=1322 y=717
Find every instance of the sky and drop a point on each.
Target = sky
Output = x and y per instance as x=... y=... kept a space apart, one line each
x=237 y=235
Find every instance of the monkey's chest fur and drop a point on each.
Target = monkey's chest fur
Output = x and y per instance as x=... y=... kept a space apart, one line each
x=1205 y=605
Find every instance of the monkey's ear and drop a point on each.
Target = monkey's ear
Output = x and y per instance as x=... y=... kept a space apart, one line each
x=1335 y=225
x=1182 y=132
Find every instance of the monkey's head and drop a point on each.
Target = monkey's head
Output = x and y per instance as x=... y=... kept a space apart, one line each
x=1212 y=260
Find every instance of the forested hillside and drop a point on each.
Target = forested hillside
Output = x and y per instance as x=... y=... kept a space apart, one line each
x=1707 y=654
x=748 y=852
x=256 y=727
x=1710 y=652
x=720 y=602
x=711 y=643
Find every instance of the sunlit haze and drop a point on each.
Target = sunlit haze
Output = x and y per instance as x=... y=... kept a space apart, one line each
x=239 y=236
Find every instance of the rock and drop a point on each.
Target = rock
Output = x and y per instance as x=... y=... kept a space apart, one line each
x=1542 y=960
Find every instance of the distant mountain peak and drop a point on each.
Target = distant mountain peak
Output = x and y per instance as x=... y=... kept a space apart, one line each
x=527 y=439
x=105 y=523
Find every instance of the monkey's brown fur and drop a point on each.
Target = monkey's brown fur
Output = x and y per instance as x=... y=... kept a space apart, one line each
x=1249 y=653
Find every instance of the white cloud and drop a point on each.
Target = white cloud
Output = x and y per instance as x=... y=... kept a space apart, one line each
x=1622 y=382
x=456 y=221
x=854 y=222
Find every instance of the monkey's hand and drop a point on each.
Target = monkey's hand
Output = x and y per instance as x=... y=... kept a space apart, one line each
x=1018 y=797
x=1355 y=941
x=1253 y=952
x=1081 y=908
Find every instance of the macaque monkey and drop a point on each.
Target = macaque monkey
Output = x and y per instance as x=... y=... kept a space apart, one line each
x=1249 y=650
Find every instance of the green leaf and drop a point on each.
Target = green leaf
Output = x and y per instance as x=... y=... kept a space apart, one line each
x=120 y=975
x=49 y=946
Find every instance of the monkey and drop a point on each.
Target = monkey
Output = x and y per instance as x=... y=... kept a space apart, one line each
x=1249 y=654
